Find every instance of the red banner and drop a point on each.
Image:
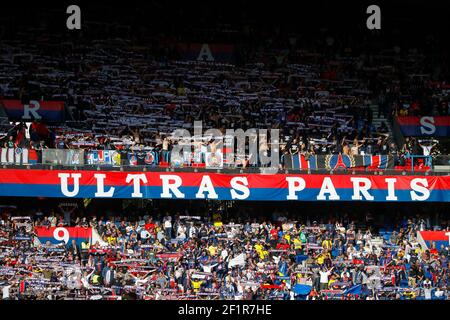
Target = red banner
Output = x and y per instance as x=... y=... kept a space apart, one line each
x=184 y=185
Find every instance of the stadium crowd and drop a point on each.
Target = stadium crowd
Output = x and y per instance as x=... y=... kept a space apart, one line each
x=132 y=94
x=165 y=256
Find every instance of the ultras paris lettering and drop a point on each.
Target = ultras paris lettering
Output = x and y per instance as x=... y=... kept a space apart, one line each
x=246 y=187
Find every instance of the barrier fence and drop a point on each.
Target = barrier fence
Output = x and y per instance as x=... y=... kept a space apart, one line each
x=18 y=156
x=209 y=160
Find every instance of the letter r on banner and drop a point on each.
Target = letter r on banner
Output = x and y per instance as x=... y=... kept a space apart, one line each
x=32 y=109
x=169 y=188
x=361 y=188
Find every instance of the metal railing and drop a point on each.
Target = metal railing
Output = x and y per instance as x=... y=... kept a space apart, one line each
x=80 y=159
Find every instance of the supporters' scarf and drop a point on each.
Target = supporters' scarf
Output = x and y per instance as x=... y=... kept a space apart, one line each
x=22 y=286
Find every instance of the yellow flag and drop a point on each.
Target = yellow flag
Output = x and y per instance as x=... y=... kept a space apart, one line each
x=86 y=202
